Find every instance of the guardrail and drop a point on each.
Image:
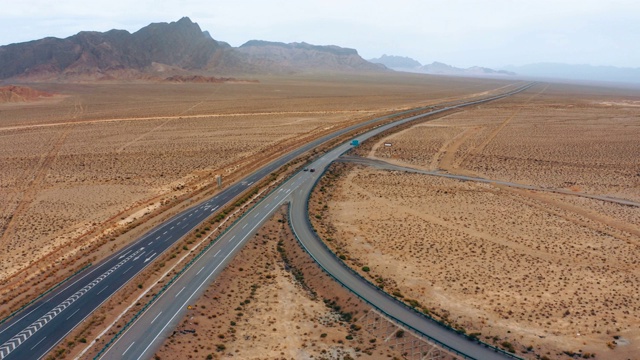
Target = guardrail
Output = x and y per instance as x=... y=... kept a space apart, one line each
x=44 y=293
x=376 y=288
x=183 y=270
x=208 y=246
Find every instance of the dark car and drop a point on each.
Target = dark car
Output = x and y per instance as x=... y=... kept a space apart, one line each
x=312 y=170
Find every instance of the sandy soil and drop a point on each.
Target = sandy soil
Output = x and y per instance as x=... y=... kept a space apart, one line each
x=558 y=274
x=550 y=136
x=101 y=152
x=272 y=302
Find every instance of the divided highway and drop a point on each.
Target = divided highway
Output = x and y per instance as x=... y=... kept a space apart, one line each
x=33 y=332
x=148 y=332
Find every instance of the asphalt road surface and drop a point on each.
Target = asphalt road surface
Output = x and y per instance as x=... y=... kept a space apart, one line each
x=148 y=332
x=33 y=332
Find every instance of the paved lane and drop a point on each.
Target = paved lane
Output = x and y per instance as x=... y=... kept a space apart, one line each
x=149 y=331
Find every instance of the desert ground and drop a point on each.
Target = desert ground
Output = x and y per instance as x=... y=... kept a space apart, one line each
x=92 y=156
x=273 y=302
x=544 y=274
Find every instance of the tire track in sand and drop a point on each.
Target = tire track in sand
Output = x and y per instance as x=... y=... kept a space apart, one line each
x=32 y=187
x=478 y=149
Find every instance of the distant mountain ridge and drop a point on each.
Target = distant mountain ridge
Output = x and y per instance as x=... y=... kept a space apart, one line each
x=181 y=44
x=396 y=62
x=579 y=72
x=402 y=63
x=277 y=56
x=159 y=49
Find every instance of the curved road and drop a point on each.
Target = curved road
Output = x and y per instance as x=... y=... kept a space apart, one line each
x=34 y=331
x=148 y=332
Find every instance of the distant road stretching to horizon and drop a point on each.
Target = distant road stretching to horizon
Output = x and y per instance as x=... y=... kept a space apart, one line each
x=33 y=332
x=149 y=331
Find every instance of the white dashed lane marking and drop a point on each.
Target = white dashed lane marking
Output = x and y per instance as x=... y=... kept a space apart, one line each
x=17 y=340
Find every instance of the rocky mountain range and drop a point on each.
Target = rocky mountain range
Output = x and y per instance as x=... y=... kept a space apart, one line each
x=163 y=50
x=406 y=64
x=282 y=57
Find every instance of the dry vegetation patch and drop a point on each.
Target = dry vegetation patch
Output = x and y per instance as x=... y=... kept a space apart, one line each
x=550 y=274
x=101 y=156
x=272 y=302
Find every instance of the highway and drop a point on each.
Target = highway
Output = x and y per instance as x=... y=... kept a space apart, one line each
x=34 y=331
x=148 y=332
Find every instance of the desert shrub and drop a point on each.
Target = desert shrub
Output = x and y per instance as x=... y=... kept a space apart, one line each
x=508 y=346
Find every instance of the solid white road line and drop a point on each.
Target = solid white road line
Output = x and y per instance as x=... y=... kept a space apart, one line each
x=189 y=299
x=40 y=323
x=180 y=291
x=25 y=315
x=154 y=319
x=72 y=314
x=128 y=348
x=34 y=346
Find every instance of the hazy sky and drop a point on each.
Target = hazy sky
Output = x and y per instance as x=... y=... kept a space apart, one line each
x=458 y=32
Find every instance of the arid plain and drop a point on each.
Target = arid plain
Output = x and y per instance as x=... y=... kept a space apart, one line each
x=542 y=273
x=81 y=165
x=546 y=273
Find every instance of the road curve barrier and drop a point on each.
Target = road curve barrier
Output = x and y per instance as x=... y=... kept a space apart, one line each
x=376 y=288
